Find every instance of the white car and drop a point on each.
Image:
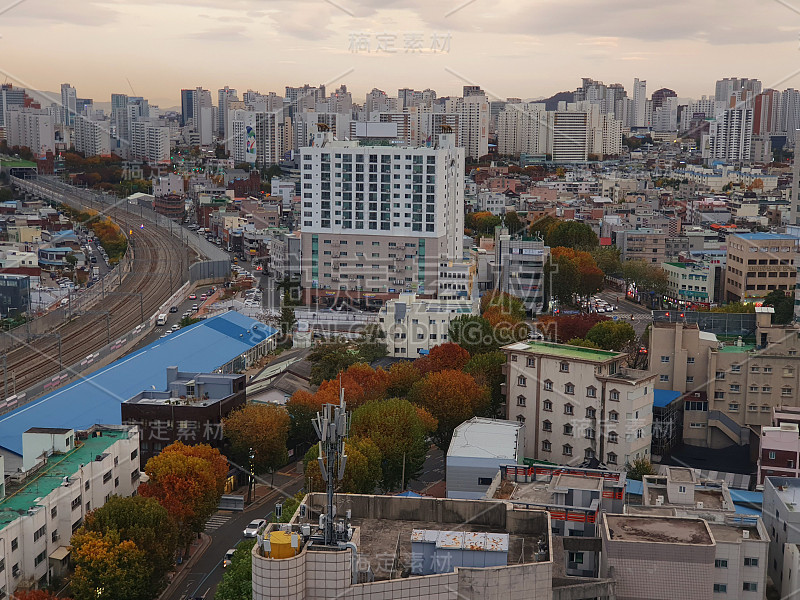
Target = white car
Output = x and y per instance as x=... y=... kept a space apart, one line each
x=252 y=529
x=228 y=558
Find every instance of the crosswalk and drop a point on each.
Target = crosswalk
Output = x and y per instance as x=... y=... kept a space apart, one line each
x=217 y=521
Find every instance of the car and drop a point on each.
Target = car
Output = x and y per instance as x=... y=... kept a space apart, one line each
x=195 y=308
x=228 y=558
x=175 y=327
x=252 y=529
x=173 y=309
x=192 y=296
x=203 y=297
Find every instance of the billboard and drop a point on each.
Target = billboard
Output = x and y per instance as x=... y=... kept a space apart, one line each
x=250 y=145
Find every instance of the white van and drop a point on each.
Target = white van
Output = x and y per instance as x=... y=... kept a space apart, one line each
x=161 y=320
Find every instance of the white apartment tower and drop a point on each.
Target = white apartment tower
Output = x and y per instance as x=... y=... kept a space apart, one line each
x=31 y=127
x=731 y=135
x=92 y=135
x=150 y=142
x=639 y=117
x=224 y=96
x=69 y=104
x=376 y=220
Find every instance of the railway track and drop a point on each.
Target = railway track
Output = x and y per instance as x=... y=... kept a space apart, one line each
x=156 y=254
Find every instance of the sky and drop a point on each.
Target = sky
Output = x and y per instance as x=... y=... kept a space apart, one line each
x=511 y=48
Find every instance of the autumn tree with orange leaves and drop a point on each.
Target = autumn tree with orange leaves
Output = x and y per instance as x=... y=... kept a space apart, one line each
x=451 y=397
x=35 y=595
x=262 y=427
x=118 y=568
x=443 y=357
x=188 y=481
x=590 y=276
x=402 y=375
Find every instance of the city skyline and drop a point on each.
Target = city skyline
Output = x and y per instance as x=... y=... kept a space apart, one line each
x=358 y=43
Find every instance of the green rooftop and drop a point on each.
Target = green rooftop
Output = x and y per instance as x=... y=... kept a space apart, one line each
x=18 y=501
x=564 y=350
x=17 y=163
x=734 y=348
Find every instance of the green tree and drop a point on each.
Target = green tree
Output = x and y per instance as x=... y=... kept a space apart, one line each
x=639 y=468
x=363 y=470
x=108 y=567
x=513 y=223
x=611 y=335
x=147 y=524
x=328 y=359
x=608 y=260
x=783 y=305
x=583 y=343
x=487 y=369
x=399 y=431
x=473 y=333
x=237 y=580
x=287 y=322
x=562 y=279
x=572 y=234
x=262 y=427
x=735 y=307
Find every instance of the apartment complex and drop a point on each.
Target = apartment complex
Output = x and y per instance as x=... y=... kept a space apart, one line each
x=65 y=475
x=377 y=221
x=519 y=268
x=743 y=379
x=579 y=405
x=759 y=263
x=92 y=135
x=415 y=325
x=30 y=127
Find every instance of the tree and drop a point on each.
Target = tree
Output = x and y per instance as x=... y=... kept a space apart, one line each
x=451 y=397
x=572 y=234
x=262 y=427
x=147 y=524
x=639 y=468
x=35 y=595
x=287 y=322
x=505 y=301
x=611 y=335
x=474 y=334
x=361 y=384
x=487 y=370
x=590 y=277
x=735 y=307
x=541 y=227
x=399 y=430
x=583 y=343
x=115 y=567
x=442 y=357
x=513 y=222
x=561 y=279
x=783 y=305
x=402 y=375
x=188 y=481
x=329 y=359
x=607 y=260
x=237 y=580
x=506 y=327
x=566 y=327
x=363 y=470
x=302 y=407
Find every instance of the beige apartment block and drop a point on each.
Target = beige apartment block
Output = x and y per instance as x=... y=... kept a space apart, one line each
x=578 y=404
x=743 y=381
x=759 y=263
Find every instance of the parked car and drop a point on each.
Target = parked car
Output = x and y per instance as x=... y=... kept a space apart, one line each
x=252 y=529
x=228 y=558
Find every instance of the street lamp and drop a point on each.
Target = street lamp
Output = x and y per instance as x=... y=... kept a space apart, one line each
x=252 y=482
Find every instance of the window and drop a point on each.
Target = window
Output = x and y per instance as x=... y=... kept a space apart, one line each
x=690 y=379
x=591 y=392
x=39 y=558
x=720 y=375
x=564 y=367
x=54 y=512
x=786 y=391
x=721 y=563
x=39 y=533
x=531 y=362
x=547 y=426
x=734 y=387
x=520 y=400
x=613 y=416
x=107 y=477
x=613 y=437
x=567 y=429
x=690 y=360
x=566 y=450
x=547 y=405
x=520 y=419
x=720 y=588
x=736 y=368
x=750 y=562
x=548 y=385
x=15 y=570
x=54 y=536
x=513 y=356
x=772 y=455
x=134 y=454
x=14 y=544
x=681 y=489
x=663 y=377
x=588 y=454
x=590 y=413
x=754 y=369
x=576 y=557
x=546 y=446
x=484 y=481
x=86 y=486
x=749 y=586
x=589 y=433
x=521 y=381
x=569 y=389
x=612 y=458
x=613 y=395
x=733 y=407
x=569 y=409
x=665 y=359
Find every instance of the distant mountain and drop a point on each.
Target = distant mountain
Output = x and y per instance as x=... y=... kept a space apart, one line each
x=551 y=103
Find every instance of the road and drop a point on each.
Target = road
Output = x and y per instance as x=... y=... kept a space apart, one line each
x=225 y=529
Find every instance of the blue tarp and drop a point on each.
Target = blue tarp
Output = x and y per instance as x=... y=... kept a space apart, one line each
x=663 y=398
x=199 y=348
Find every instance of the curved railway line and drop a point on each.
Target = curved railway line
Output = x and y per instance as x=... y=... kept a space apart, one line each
x=156 y=254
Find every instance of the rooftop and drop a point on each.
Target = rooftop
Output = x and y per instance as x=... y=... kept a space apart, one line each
x=96 y=398
x=577 y=482
x=563 y=351
x=733 y=348
x=663 y=398
x=49 y=477
x=662 y=530
x=731 y=533
x=680 y=474
x=765 y=236
x=485 y=438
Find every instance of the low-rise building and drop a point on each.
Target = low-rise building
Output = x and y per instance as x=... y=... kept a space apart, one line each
x=682 y=488
x=477 y=451
x=779 y=445
x=190 y=410
x=579 y=405
x=519 y=268
x=66 y=475
x=782 y=521
x=759 y=263
x=415 y=325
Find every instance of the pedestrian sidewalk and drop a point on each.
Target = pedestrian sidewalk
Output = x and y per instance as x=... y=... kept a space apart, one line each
x=196 y=550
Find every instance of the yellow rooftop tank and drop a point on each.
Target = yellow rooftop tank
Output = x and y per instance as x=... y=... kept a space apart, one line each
x=281 y=545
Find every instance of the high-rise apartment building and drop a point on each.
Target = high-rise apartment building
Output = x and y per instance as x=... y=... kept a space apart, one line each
x=150 y=142
x=639 y=116
x=69 y=97
x=31 y=127
x=726 y=89
x=187 y=105
x=92 y=135
x=569 y=136
x=10 y=96
x=377 y=220
x=224 y=96
x=730 y=136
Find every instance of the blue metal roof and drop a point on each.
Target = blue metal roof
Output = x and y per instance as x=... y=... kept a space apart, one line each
x=663 y=398
x=745 y=497
x=765 y=236
x=199 y=348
